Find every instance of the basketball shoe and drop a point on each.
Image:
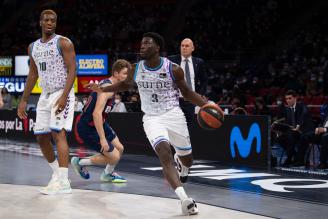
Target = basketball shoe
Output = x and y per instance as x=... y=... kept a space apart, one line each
x=80 y=170
x=113 y=177
x=57 y=187
x=189 y=207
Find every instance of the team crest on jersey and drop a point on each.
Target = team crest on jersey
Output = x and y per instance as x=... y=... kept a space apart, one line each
x=162 y=75
x=50 y=43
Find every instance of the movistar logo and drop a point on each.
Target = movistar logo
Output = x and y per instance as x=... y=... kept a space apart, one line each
x=244 y=145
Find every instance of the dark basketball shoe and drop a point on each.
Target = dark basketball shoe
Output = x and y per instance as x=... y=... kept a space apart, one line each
x=182 y=170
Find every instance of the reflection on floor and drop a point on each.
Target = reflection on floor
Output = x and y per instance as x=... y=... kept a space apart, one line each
x=98 y=204
x=225 y=192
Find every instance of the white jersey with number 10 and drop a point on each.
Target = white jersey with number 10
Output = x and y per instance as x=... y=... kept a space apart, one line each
x=50 y=64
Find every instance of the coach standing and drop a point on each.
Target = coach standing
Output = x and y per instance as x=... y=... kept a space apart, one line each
x=195 y=75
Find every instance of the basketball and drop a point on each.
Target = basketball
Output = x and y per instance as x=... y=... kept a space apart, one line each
x=210 y=117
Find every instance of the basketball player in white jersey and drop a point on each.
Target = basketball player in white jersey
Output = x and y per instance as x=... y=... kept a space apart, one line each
x=159 y=81
x=52 y=60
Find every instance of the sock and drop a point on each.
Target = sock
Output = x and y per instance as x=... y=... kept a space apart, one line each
x=63 y=173
x=181 y=193
x=55 y=167
x=85 y=162
x=109 y=169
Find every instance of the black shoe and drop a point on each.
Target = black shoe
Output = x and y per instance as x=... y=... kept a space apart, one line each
x=321 y=166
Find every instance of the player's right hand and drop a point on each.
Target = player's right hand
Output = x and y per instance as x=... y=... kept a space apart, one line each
x=93 y=87
x=21 y=113
x=104 y=145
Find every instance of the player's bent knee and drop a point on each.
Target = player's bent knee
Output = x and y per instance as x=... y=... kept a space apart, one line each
x=120 y=148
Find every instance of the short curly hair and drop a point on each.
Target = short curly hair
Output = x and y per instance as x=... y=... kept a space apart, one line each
x=159 y=40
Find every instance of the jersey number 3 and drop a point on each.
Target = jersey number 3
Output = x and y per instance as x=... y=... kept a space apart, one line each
x=154 y=98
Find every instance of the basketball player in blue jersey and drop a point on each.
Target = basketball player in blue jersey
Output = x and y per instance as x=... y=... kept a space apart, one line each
x=159 y=81
x=52 y=60
x=96 y=132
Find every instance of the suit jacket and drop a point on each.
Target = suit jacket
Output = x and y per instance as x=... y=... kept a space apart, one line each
x=302 y=117
x=199 y=69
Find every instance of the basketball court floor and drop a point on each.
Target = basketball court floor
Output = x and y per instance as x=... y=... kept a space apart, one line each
x=221 y=191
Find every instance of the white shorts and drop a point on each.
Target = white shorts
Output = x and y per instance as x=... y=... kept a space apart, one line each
x=171 y=127
x=46 y=120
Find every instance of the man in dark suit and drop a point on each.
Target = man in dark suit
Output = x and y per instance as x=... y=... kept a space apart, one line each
x=318 y=135
x=298 y=118
x=195 y=74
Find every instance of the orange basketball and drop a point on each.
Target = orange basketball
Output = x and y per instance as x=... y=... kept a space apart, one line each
x=210 y=116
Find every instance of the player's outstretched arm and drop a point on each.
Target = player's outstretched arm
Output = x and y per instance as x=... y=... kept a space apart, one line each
x=30 y=82
x=117 y=87
x=186 y=92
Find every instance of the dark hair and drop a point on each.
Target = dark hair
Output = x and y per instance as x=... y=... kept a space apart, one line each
x=48 y=11
x=159 y=40
x=291 y=92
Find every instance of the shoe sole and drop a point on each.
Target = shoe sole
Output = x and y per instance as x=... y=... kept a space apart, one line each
x=66 y=191
x=114 y=181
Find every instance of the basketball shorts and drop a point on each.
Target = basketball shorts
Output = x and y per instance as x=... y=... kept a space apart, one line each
x=90 y=136
x=46 y=120
x=170 y=127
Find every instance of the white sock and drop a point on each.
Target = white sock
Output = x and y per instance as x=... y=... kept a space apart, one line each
x=63 y=173
x=85 y=162
x=55 y=167
x=109 y=169
x=181 y=193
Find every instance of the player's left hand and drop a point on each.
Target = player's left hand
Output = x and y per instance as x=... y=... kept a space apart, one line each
x=60 y=104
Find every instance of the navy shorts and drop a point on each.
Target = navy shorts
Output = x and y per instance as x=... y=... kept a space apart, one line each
x=91 y=138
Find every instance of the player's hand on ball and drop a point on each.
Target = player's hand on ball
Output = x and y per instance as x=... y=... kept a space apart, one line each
x=104 y=145
x=93 y=86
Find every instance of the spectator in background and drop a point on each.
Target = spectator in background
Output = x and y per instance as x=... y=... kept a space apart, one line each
x=237 y=108
x=260 y=107
x=78 y=105
x=195 y=74
x=119 y=106
x=1 y=100
x=15 y=101
x=6 y=98
x=84 y=100
x=298 y=120
x=318 y=135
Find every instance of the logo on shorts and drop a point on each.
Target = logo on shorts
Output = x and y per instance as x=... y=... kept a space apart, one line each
x=39 y=130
